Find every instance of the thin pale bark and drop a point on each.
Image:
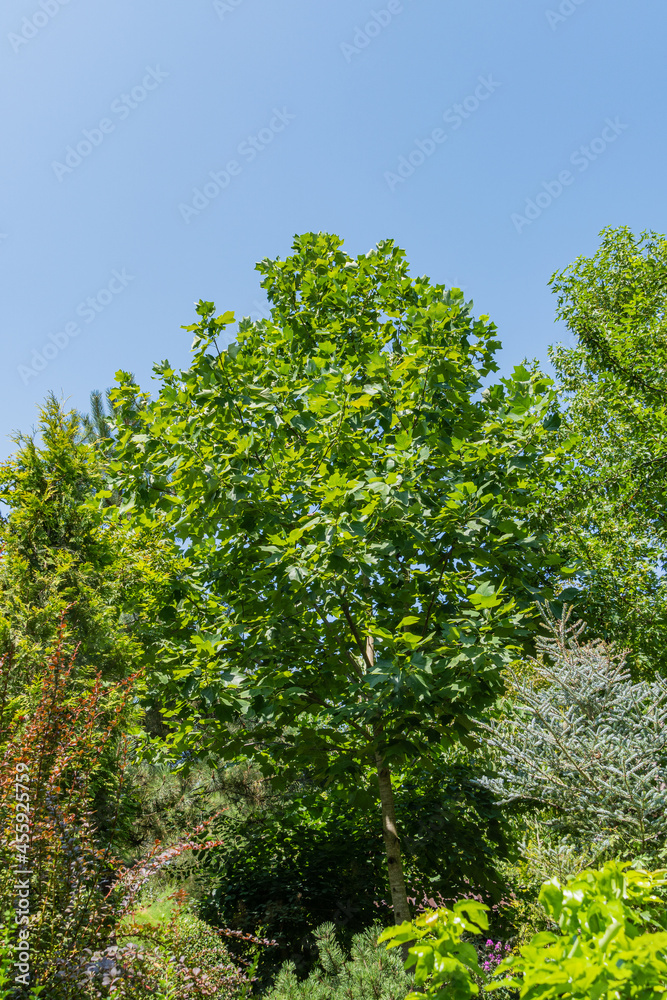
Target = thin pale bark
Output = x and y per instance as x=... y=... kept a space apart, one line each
x=399 y=896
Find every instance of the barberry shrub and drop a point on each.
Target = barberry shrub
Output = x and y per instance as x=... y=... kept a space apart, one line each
x=177 y=956
x=58 y=736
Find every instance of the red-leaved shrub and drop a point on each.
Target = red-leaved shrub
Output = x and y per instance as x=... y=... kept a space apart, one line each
x=59 y=741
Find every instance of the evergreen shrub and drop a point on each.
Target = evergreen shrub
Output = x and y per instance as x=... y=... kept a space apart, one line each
x=585 y=746
x=370 y=973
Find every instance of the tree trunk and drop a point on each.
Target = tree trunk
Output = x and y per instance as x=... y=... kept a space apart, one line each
x=399 y=897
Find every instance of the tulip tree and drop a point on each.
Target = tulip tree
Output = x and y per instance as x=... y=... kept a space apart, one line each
x=354 y=511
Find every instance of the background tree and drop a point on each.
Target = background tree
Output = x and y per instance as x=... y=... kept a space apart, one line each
x=352 y=508
x=97 y=426
x=611 y=515
x=61 y=547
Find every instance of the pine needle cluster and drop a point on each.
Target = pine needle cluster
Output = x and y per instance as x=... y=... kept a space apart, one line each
x=371 y=973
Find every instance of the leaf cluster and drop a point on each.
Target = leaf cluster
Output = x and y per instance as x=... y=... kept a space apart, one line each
x=607 y=516
x=612 y=941
x=443 y=962
x=337 y=474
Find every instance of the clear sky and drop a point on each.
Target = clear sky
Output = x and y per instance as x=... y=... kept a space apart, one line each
x=154 y=151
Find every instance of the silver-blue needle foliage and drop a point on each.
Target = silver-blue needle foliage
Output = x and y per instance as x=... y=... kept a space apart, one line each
x=584 y=744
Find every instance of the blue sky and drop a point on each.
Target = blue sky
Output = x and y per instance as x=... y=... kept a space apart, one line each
x=153 y=152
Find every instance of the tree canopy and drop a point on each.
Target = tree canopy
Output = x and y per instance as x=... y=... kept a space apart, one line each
x=354 y=510
x=611 y=513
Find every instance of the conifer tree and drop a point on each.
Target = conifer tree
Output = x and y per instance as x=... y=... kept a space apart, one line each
x=583 y=744
x=61 y=549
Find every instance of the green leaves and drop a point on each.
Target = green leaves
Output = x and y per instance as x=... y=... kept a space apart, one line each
x=207 y=329
x=335 y=477
x=611 y=944
x=67 y=541
x=608 y=515
x=442 y=962
x=605 y=948
x=486 y=596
